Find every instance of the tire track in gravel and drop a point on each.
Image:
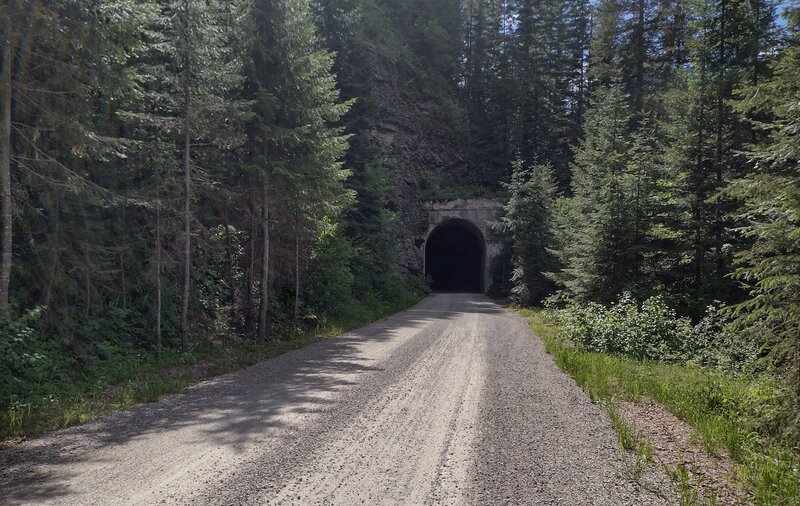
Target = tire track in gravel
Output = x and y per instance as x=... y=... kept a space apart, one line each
x=376 y=448
x=400 y=441
x=542 y=441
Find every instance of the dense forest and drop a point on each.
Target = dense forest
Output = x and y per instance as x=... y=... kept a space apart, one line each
x=184 y=174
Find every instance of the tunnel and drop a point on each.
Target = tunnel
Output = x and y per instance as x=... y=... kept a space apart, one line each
x=454 y=257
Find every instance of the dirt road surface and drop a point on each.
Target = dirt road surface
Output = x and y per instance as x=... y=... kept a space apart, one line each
x=454 y=401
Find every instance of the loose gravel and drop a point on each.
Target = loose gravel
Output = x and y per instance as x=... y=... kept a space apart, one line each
x=454 y=401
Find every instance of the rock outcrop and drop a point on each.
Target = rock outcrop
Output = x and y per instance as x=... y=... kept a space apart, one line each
x=421 y=146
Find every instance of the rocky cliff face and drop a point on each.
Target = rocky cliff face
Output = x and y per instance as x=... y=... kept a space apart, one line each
x=420 y=143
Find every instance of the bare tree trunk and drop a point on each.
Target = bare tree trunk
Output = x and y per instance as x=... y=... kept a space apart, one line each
x=296 y=267
x=797 y=365
x=756 y=46
x=54 y=256
x=187 y=182
x=88 y=287
x=187 y=243
x=251 y=269
x=640 y=56
x=5 y=165
x=233 y=293
x=721 y=91
x=159 y=340
x=158 y=252
x=264 y=307
x=122 y=281
x=581 y=82
x=696 y=211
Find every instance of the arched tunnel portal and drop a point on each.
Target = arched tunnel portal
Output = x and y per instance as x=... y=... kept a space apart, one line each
x=455 y=257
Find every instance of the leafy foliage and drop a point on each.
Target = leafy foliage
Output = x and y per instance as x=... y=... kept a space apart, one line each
x=652 y=331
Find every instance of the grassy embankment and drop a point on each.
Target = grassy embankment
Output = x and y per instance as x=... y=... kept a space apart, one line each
x=725 y=410
x=130 y=379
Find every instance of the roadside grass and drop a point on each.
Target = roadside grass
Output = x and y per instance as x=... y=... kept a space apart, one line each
x=632 y=441
x=148 y=377
x=723 y=409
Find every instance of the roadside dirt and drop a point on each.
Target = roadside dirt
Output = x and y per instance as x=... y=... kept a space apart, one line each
x=451 y=402
x=673 y=444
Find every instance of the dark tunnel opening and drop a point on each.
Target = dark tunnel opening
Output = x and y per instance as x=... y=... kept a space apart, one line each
x=454 y=254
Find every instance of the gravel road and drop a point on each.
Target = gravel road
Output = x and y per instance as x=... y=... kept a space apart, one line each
x=454 y=401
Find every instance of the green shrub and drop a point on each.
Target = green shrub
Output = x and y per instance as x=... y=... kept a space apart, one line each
x=651 y=330
x=27 y=360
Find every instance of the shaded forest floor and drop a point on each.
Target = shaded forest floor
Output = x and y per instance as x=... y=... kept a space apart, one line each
x=149 y=377
x=695 y=422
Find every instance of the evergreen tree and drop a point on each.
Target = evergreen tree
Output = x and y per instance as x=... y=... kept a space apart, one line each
x=527 y=225
x=605 y=41
x=536 y=48
x=293 y=135
x=524 y=83
x=191 y=75
x=489 y=88
x=59 y=97
x=597 y=226
x=702 y=139
x=770 y=266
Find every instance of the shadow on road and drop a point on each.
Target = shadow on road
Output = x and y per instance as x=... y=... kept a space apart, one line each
x=235 y=410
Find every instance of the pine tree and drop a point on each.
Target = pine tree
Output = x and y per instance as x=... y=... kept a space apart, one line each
x=186 y=79
x=596 y=238
x=489 y=88
x=770 y=267
x=295 y=143
x=605 y=42
x=702 y=139
x=527 y=225
x=59 y=140
x=545 y=78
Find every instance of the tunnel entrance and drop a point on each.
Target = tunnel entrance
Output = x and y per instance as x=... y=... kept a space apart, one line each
x=454 y=257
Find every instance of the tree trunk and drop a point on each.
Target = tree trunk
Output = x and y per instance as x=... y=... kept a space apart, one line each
x=756 y=45
x=54 y=259
x=5 y=165
x=296 y=267
x=122 y=280
x=158 y=253
x=187 y=184
x=264 y=306
x=721 y=96
x=640 y=56
x=233 y=293
x=187 y=243
x=88 y=287
x=697 y=207
x=251 y=269
x=158 y=279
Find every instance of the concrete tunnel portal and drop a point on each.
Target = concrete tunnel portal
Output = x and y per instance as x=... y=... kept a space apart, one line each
x=456 y=249
x=455 y=257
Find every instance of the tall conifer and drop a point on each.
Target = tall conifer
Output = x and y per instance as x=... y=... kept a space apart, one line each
x=294 y=138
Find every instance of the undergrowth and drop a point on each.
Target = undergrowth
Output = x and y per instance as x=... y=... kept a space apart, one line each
x=735 y=412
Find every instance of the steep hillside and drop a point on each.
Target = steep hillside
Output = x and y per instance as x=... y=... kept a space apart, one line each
x=407 y=122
